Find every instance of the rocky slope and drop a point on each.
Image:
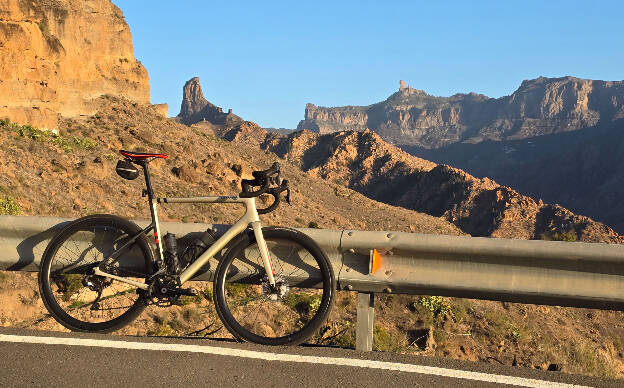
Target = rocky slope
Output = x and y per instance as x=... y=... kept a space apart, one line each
x=539 y=107
x=582 y=170
x=56 y=56
x=73 y=174
x=481 y=207
x=196 y=109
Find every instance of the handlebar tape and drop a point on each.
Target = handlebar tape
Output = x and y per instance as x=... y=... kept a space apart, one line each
x=264 y=174
x=264 y=179
x=275 y=192
x=261 y=178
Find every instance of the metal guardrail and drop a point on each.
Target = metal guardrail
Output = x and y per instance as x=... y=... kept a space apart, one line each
x=539 y=272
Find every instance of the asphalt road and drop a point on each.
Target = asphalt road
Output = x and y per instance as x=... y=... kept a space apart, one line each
x=34 y=358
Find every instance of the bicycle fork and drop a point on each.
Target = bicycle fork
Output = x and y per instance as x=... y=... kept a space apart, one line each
x=264 y=251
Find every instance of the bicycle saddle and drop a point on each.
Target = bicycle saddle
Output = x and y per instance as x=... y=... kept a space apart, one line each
x=138 y=156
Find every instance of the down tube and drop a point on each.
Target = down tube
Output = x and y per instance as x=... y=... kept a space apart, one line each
x=218 y=245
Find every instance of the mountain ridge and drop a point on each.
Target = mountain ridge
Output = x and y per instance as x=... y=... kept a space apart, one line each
x=539 y=106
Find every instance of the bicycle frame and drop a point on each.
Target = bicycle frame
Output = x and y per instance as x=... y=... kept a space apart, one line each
x=249 y=218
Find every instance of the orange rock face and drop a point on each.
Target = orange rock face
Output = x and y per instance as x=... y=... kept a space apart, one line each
x=56 y=56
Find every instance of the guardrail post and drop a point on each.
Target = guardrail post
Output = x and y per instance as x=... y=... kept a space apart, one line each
x=365 y=320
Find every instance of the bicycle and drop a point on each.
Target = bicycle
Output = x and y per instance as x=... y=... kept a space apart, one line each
x=272 y=286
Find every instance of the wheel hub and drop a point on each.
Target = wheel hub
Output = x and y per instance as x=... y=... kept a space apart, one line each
x=276 y=293
x=96 y=283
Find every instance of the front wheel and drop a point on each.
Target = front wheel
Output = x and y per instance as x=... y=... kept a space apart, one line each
x=80 y=300
x=287 y=314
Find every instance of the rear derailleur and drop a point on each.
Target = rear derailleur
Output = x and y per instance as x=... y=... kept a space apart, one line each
x=93 y=282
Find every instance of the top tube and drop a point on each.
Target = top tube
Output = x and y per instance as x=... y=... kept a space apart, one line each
x=208 y=199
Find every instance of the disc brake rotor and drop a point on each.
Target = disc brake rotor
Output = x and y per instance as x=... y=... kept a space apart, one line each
x=277 y=294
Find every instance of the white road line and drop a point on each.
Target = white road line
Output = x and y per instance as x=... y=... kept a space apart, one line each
x=427 y=370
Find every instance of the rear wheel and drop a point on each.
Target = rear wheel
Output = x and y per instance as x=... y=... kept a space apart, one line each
x=80 y=300
x=290 y=313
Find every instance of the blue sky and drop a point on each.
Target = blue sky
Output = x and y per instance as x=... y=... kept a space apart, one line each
x=267 y=59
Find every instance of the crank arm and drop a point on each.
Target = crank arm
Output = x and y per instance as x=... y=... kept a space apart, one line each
x=99 y=272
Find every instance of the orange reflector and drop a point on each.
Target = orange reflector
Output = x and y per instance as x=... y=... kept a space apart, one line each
x=375 y=262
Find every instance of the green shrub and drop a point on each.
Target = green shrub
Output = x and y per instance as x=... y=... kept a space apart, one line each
x=236 y=289
x=347 y=339
x=588 y=361
x=67 y=143
x=207 y=294
x=436 y=305
x=70 y=284
x=502 y=326
x=29 y=132
x=303 y=303
x=313 y=225
x=163 y=330
x=71 y=142
x=9 y=206
x=460 y=309
x=569 y=236
x=384 y=340
x=188 y=299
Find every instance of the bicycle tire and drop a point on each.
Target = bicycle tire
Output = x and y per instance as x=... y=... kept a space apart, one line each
x=251 y=312
x=75 y=297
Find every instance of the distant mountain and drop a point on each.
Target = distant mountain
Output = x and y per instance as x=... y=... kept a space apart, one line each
x=283 y=131
x=195 y=108
x=541 y=106
x=559 y=139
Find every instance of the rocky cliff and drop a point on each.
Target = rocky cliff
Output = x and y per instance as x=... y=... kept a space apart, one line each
x=195 y=108
x=364 y=162
x=539 y=107
x=57 y=56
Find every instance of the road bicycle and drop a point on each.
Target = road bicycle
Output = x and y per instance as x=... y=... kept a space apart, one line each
x=272 y=286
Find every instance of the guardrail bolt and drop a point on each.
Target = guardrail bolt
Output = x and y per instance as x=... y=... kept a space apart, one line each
x=351 y=250
x=387 y=290
x=349 y=287
x=350 y=234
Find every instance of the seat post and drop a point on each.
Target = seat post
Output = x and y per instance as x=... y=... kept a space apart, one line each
x=153 y=211
x=148 y=182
